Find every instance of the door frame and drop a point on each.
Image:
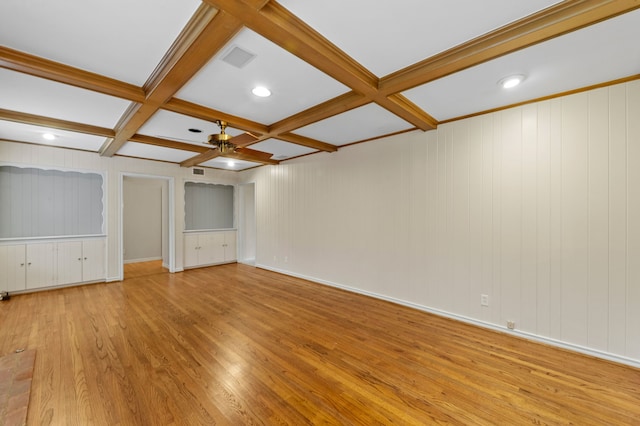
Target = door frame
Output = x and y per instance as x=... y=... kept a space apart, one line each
x=170 y=208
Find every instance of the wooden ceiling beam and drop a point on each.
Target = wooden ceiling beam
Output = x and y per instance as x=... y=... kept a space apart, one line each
x=335 y=106
x=208 y=114
x=308 y=142
x=54 y=123
x=61 y=73
x=549 y=23
x=207 y=32
x=407 y=110
x=166 y=143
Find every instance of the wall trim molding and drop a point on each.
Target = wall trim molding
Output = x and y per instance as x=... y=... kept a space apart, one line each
x=483 y=324
x=147 y=259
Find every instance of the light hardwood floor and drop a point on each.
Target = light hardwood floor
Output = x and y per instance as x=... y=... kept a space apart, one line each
x=238 y=345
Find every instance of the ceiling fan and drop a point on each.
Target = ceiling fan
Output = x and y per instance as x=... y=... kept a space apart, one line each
x=225 y=145
x=222 y=141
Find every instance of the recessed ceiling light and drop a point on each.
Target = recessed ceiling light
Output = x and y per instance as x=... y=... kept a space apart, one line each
x=49 y=136
x=511 y=81
x=261 y=91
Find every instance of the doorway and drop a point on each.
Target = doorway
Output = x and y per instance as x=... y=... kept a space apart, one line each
x=146 y=236
x=247 y=228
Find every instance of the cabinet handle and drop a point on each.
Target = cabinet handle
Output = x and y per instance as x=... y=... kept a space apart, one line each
x=79 y=258
x=85 y=258
x=22 y=264
x=29 y=264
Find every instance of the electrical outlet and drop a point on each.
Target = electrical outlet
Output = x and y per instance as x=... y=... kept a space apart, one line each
x=511 y=324
x=484 y=300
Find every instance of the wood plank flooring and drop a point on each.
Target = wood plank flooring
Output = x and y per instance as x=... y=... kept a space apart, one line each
x=235 y=345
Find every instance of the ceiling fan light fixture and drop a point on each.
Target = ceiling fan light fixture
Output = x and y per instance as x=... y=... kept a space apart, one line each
x=231 y=163
x=511 y=81
x=222 y=141
x=261 y=91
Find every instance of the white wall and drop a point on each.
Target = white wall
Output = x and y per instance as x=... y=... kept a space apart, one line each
x=44 y=156
x=246 y=223
x=536 y=206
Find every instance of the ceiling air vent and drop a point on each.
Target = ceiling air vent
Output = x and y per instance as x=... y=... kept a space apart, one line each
x=196 y=171
x=238 y=57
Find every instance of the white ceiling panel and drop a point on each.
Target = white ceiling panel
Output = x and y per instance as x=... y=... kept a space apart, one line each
x=122 y=39
x=356 y=125
x=294 y=84
x=229 y=164
x=141 y=150
x=576 y=60
x=282 y=150
x=24 y=93
x=390 y=35
x=170 y=125
x=64 y=139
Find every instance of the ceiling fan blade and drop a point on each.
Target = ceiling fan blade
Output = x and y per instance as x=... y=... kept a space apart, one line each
x=243 y=140
x=252 y=155
x=200 y=158
x=255 y=153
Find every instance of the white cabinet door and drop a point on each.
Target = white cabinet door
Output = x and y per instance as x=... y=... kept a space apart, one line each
x=230 y=246
x=69 y=262
x=216 y=249
x=41 y=264
x=12 y=268
x=93 y=264
x=191 y=250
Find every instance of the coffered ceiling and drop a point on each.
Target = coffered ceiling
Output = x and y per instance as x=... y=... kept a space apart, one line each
x=132 y=77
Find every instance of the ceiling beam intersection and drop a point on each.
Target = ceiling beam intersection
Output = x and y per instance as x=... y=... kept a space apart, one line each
x=277 y=24
x=192 y=50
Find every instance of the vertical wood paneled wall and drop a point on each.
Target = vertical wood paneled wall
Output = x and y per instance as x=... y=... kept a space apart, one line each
x=536 y=206
x=50 y=157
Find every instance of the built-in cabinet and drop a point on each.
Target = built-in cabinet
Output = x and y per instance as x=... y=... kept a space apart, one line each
x=209 y=248
x=36 y=265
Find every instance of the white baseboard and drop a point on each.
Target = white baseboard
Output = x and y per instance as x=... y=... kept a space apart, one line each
x=146 y=259
x=529 y=336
